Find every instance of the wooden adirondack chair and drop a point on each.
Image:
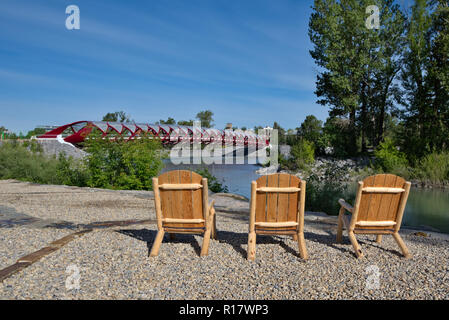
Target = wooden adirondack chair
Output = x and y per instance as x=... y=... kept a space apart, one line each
x=378 y=209
x=277 y=207
x=181 y=201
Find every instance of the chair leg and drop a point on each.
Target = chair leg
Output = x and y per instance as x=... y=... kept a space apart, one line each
x=340 y=225
x=214 y=228
x=302 y=246
x=251 y=246
x=206 y=240
x=402 y=245
x=355 y=244
x=157 y=243
x=379 y=238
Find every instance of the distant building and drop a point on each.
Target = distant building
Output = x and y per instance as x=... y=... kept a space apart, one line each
x=47 y=127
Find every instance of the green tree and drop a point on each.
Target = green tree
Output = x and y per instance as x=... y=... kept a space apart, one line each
x=310 y=129
x=282 y=139
x=291 y=137
x=170 y=120
x=425 y=78
x=379 y=89
x=185 y=123
x=335 y=29
x=416 y=98
x=3 y=131
x=438 y=74
x=206 y=118
x=35 y=132
x=358 y=64
x=118 y=116
x=336 y=135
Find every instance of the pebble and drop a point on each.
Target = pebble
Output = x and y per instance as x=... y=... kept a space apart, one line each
x=114 y=263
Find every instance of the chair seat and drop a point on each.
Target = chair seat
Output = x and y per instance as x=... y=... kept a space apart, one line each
x=171 y=220
x=375 y=223
x=276 y=224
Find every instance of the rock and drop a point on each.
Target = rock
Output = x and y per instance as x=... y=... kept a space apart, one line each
x=341 y=170
x=268 y=170
x=421 y=234
x=54 y=147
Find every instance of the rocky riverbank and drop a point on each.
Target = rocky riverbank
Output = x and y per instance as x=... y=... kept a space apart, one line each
x=348 y=171
x=343 y=170
x=113 y=263
x=53 y=147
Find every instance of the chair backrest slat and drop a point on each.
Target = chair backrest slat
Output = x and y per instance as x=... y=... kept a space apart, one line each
x=384 y=204
x=185 y=177
x=261 y=200
x=283 y=199
x=293 y=199
x=181 y=203
x=272 y=199
x=275 y=206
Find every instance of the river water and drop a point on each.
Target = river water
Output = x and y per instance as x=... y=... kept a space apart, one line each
x=425 y=207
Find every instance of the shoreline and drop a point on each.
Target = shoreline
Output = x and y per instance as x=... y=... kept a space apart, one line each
x=354 y=168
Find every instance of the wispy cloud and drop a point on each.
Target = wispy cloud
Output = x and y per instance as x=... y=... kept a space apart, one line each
x=166 y=57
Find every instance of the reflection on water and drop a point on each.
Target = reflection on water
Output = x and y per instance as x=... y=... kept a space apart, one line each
x=424 y=207
x=428 y=207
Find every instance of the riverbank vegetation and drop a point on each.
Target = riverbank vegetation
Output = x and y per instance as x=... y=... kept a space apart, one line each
x=26 y=162
x=115 y=164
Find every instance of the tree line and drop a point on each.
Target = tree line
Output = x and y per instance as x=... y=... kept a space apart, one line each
x=390 y=82
x=205 y=117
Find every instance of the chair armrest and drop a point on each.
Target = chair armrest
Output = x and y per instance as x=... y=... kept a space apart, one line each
x=211 y=215
x=211 y=208
x=346 y=205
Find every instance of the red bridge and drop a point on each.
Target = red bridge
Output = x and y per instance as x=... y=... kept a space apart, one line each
x=76 y=132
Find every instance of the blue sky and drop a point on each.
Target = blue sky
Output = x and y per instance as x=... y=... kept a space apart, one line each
x=247 y=61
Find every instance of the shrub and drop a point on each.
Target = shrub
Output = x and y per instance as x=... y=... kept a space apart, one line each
x=322 y=194
x=433 y=168
x=27 y=163
x=212 y=181
x=303 y=152
x=390 y=159
x=119 y=164
x=71 y=172
x=286 y=163
x=337 y=134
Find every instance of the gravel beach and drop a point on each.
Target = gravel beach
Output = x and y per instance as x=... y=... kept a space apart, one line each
x=113 y=263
